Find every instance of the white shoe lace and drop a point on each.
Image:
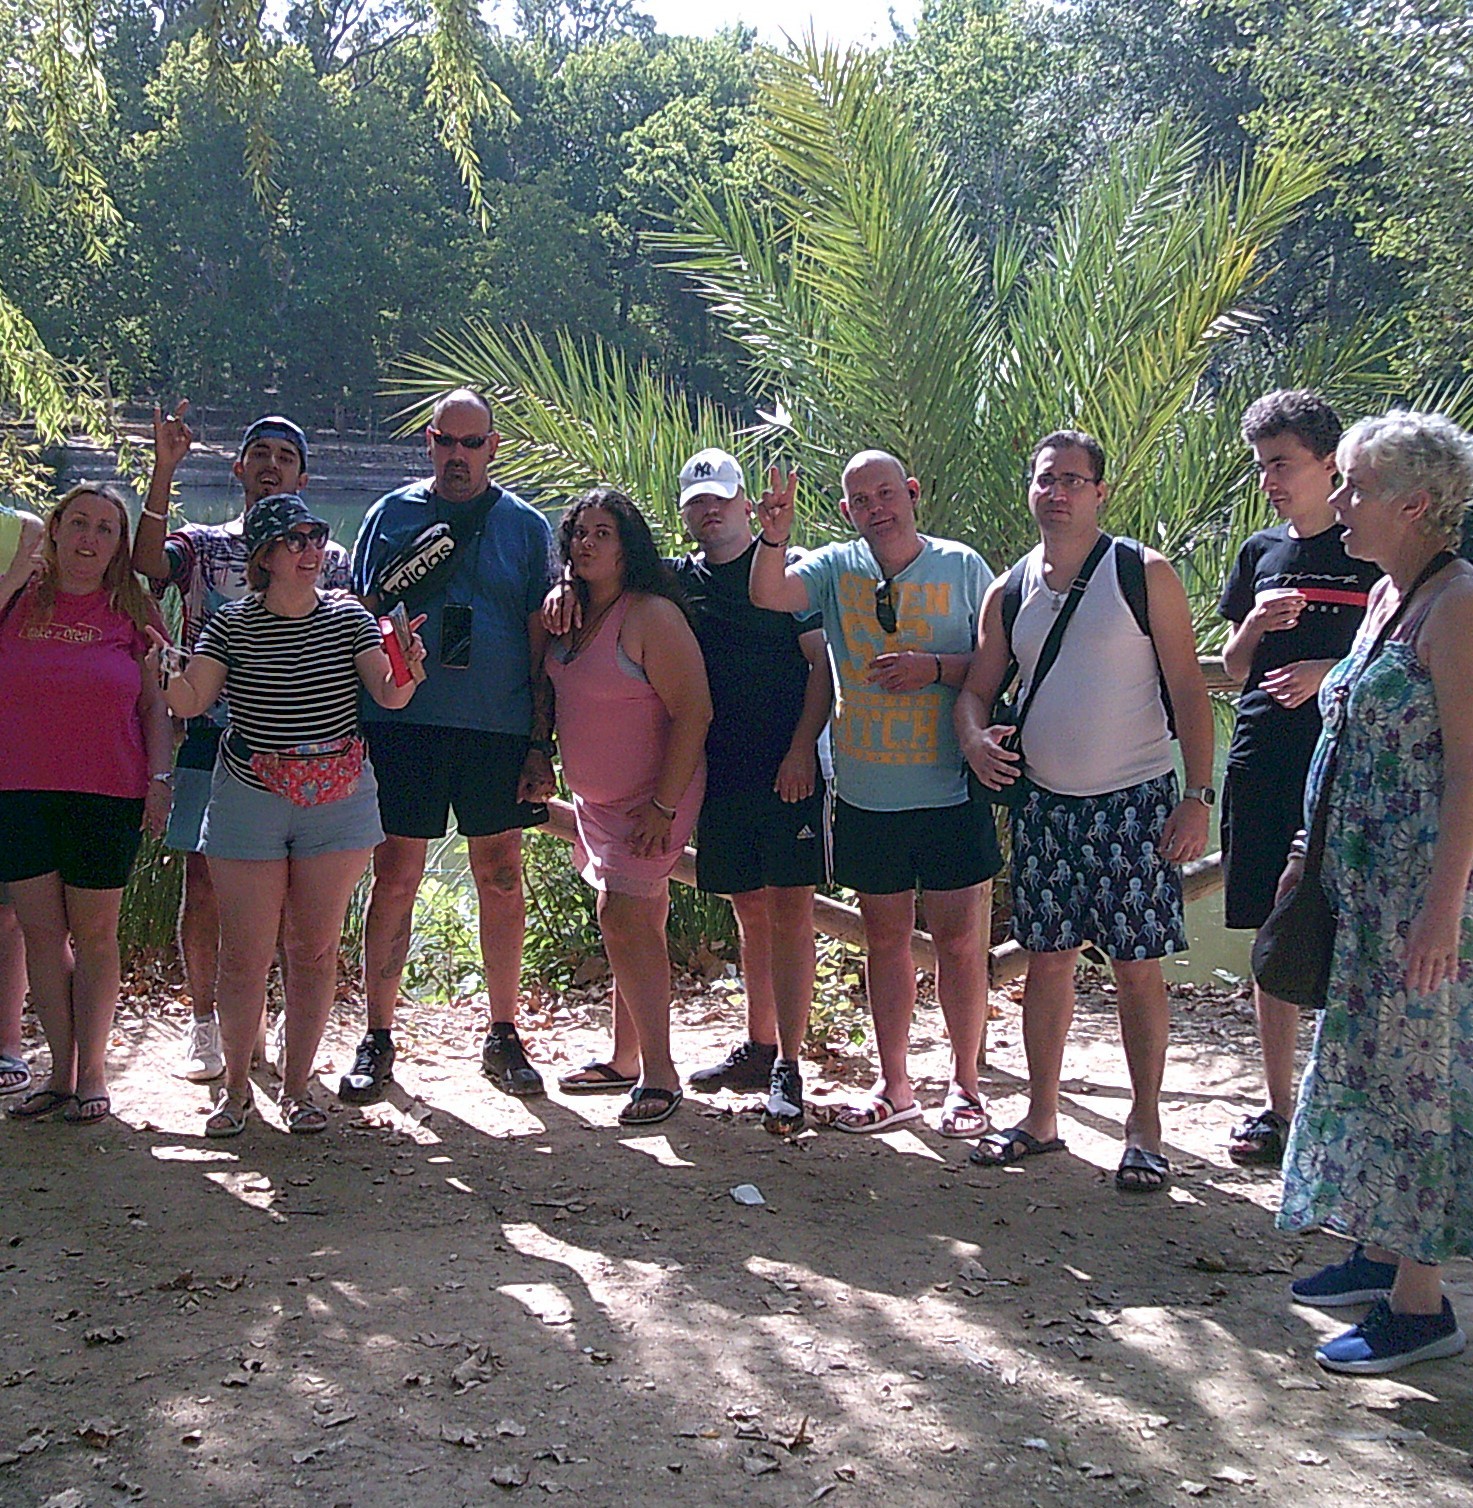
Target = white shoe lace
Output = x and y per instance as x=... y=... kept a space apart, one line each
x=202 y=1041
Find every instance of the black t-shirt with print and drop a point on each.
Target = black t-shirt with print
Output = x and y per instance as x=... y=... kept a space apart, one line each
x=756 y=669
x=1336 y=588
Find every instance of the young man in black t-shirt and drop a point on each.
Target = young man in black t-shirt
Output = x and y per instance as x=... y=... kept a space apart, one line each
x=1295 y=600
x=761 y=838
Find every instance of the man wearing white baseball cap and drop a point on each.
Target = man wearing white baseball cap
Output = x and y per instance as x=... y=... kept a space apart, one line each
x=762 y=837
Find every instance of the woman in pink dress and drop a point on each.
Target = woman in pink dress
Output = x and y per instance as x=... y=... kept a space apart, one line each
x=632 y=711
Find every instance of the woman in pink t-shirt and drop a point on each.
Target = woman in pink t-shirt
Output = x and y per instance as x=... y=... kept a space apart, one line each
x=85 y=748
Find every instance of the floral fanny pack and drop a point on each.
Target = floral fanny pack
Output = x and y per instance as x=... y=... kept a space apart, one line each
x=308 y=774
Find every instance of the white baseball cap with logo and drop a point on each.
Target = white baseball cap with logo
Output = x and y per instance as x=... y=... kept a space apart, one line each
x=709 y=472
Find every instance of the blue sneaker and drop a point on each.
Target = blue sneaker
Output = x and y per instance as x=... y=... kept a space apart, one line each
x=1386 y=1342
x=1357 y=1280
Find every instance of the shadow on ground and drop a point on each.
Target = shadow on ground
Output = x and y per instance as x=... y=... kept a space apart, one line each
x=453 y=1295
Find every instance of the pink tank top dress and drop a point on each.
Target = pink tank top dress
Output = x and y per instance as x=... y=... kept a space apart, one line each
x=613 y=730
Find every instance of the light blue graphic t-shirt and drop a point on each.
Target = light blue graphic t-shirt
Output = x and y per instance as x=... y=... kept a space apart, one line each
x=895 y=751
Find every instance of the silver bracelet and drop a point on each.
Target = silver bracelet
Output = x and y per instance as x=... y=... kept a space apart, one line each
x=163 y=518
x=664 y=811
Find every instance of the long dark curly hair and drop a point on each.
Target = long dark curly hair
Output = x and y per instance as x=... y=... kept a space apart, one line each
x=644 y=570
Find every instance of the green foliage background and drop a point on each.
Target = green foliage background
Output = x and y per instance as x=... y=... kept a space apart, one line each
x=1017 y=214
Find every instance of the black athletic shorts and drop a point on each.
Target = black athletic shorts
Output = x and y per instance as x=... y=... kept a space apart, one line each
x=1261 y=812
x=935 y=847
x=752 y=839
x=424 y=771
x=91 y=841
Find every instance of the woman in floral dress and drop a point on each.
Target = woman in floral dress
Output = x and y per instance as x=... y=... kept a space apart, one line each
x=1381 y=1147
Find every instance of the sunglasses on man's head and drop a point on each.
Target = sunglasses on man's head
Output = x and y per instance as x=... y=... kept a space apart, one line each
x=885 y=606
x=308 y=534
x=449 y=442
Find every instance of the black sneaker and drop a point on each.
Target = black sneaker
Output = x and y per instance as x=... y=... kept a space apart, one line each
x=747 y=1066
x=504 y=1062
x=784 y=1113
x=372 y=1069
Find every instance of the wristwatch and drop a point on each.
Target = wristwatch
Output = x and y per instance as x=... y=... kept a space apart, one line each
x=1203 y=793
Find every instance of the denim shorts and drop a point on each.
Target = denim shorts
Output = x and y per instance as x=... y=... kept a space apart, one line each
x=244 y=823
x=187 y=815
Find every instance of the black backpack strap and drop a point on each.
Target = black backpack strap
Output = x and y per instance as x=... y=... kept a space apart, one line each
x=1130 y=572
x=1012 y=601
x=1055 y=640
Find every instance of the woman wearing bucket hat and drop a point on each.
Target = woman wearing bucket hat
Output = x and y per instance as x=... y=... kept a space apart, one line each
x=293 y=811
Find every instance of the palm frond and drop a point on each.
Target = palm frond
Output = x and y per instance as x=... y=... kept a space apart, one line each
x=574 y=415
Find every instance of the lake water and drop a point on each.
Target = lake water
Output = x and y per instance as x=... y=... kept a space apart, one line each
x=1215 y=952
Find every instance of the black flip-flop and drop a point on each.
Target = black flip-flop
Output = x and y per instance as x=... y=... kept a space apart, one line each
x=40 y=1103
x=1001 y=1149
x=87 y=1112
x=668 y=1100
x=1142 y=1171
x=1259 y=1141
x=608 y=1080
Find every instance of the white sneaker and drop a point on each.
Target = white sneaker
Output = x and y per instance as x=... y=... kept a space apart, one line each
x=276 y=1046
x=203 y=1059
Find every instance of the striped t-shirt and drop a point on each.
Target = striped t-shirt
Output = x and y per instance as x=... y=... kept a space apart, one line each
x=289 y=681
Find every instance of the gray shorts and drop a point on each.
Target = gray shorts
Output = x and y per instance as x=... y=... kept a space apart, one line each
x=187 y=815
x=244 y=823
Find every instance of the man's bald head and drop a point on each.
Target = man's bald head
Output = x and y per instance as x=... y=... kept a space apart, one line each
x=864 y=459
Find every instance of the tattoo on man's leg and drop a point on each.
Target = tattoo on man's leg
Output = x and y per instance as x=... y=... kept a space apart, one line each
x=398 y=953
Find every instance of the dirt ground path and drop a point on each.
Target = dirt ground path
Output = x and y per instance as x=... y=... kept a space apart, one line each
x=454 y=1298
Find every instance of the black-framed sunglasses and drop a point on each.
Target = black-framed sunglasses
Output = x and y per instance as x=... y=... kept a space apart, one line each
x=449 y=442
x=310 y=534
x=885 y=606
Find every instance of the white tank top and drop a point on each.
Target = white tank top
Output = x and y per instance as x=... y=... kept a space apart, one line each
x=1098 y=724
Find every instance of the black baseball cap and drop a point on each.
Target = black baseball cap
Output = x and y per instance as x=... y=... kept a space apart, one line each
x=275 y=427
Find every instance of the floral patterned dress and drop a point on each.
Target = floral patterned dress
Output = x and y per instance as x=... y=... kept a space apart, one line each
x=1381 y=1147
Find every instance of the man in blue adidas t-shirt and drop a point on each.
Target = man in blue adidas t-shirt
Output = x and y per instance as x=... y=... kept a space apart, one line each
x=475 y=561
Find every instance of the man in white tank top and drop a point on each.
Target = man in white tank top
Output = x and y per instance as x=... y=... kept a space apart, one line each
x=1097 y=844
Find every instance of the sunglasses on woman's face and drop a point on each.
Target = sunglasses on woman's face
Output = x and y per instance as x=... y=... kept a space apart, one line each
x=885 y=606
x=298 y=540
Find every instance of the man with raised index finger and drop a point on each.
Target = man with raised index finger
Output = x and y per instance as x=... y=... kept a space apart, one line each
x=900 y=613
x=206 y=564
x=476 y=561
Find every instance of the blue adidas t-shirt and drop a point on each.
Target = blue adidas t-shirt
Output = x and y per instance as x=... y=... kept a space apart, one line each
x=895 y=751
x=502 y=578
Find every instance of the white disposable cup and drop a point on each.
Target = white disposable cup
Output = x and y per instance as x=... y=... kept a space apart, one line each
x=1280 y=594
